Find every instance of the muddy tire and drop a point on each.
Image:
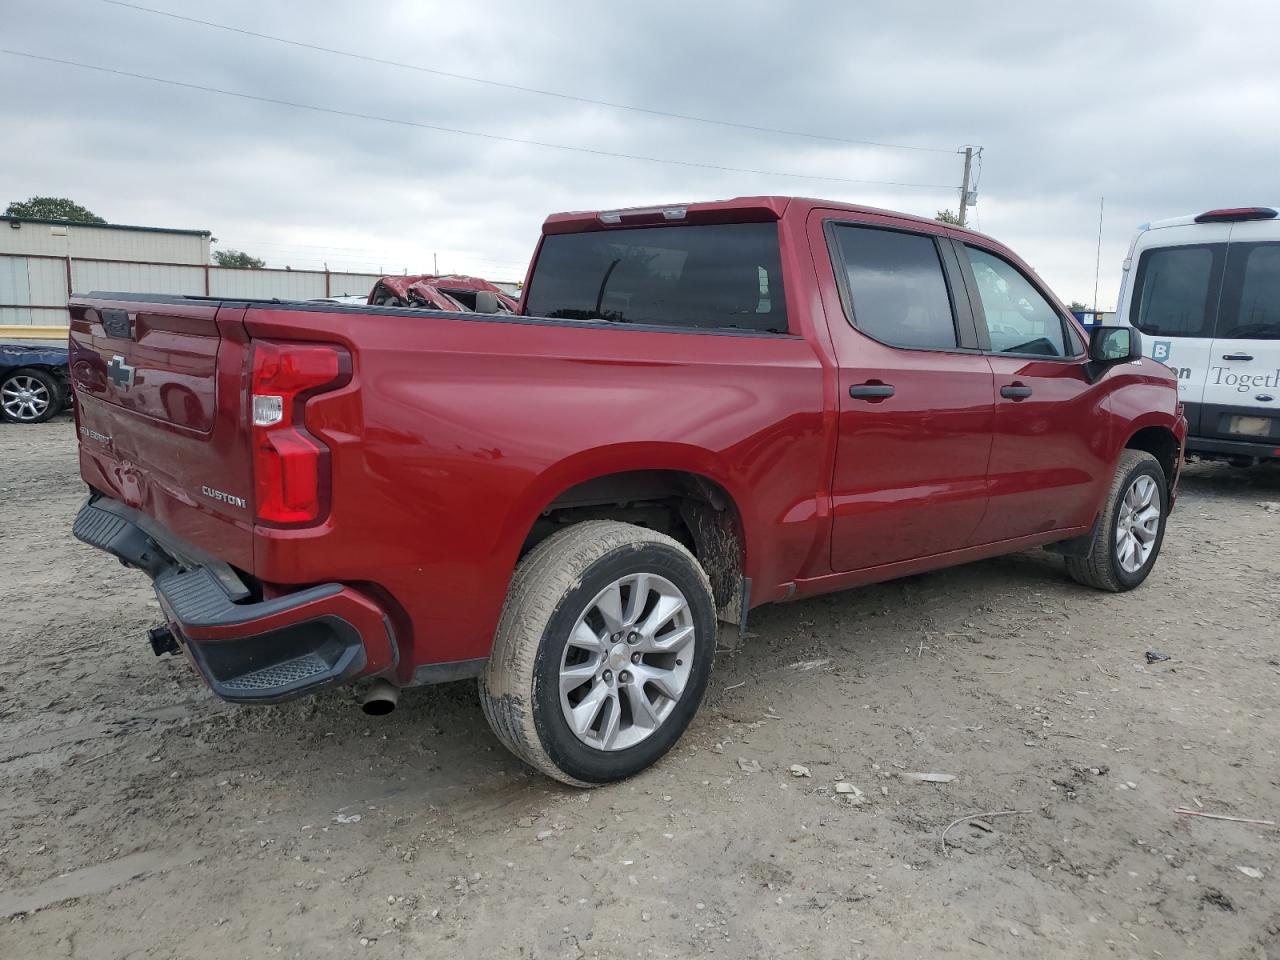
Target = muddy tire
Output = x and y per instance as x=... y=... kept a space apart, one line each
x=602 y=653
x=1127 y=537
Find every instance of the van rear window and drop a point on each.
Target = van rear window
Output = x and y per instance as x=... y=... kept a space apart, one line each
x=710 y=276
x=1175 y=290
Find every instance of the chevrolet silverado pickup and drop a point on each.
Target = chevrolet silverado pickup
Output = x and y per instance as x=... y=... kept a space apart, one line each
x=696 y=409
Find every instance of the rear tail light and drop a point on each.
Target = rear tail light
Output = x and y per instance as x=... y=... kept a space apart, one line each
x=290 y=466
x=1233 y=214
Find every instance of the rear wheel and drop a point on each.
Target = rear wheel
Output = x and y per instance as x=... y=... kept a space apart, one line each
x=29 y=395
x=1127 y=537
x=602 y=653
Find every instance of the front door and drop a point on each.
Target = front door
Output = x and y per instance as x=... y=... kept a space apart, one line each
x=1048 y=453
x=915 y=394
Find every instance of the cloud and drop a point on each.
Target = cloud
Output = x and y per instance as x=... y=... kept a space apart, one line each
x=1162 y=107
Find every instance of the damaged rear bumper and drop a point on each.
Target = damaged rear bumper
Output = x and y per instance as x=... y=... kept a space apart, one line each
x=266 y=651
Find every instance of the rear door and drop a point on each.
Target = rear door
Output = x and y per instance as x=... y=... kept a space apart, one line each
x=1174 y=302
x=915 y=393
x=1241 y=399
x=160 y=388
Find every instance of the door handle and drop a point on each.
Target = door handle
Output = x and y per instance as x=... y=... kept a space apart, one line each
x=871 y=391
x=1236 y=356
x=1015 y=391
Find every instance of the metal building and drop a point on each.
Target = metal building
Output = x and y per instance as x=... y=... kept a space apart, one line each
x=43 y=262
x=102 y=241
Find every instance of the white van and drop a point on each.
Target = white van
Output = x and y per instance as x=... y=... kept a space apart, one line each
x=1205 y=292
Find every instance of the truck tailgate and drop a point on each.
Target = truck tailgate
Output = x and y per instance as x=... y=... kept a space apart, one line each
x=160 y=391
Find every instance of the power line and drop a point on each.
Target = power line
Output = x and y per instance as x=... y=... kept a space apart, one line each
x=466 y=133
x=515 y=86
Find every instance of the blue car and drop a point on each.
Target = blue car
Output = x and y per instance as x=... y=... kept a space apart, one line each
x=34 y=382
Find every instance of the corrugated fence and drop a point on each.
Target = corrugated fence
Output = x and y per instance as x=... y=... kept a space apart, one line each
x=34 y=289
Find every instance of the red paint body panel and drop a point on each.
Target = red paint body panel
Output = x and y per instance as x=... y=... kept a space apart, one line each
x=181 y=428
x=465 y=432
x=1050 y=458
x=455 y=432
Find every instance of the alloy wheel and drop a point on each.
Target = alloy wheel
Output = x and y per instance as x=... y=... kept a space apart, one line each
x=24 y=398
x=627 y=661
x=1137 y=523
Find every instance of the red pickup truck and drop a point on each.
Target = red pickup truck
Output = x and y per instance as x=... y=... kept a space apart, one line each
x=698 y=409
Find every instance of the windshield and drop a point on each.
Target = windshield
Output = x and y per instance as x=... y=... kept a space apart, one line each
x=718 y=275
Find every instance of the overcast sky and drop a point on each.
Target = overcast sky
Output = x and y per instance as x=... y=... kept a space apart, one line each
x=1162 y=107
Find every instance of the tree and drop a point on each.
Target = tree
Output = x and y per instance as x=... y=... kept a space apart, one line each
x=237 y=258
x=52 y=208
x=946 y=216
x=1077 y=306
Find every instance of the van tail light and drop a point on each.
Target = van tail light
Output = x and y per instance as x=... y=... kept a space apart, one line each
x=1236 y=214
x=290 y=466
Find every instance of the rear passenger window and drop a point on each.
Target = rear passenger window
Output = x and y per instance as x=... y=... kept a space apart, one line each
x=1174 y=290
x=1019 y=319
x=1251 y=293
x=896 y=287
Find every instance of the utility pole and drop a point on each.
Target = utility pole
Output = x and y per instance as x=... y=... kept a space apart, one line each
x=964 y=189
x=435 y=265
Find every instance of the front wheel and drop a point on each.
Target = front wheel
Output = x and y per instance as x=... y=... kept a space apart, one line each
x=602 y=653
x=1127 y=537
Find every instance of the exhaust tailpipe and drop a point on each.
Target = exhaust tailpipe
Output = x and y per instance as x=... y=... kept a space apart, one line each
x=162 y=640
x=380 y=698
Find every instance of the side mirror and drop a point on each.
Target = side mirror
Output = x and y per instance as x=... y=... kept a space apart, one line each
x=1114 y=344
x=486 y=301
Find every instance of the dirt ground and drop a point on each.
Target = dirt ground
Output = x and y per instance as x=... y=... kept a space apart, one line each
x=141 y=817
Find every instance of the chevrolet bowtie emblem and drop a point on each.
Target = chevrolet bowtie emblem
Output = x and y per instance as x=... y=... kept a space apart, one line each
x=120 y=373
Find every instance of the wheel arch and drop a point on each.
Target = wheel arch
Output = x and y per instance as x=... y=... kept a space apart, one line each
x=678 y=489
x=59 y=371
x=1160 y=441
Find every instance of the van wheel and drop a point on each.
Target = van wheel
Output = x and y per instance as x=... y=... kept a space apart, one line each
x=1127 y=537
x=602 y=653
x=29 y=395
